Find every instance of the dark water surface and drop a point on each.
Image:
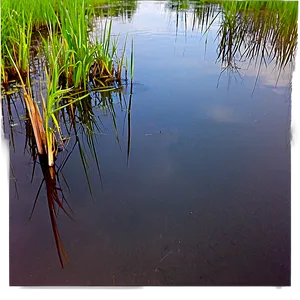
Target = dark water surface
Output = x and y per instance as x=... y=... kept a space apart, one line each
x=205 y=197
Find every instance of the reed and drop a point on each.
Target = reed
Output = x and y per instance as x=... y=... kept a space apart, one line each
x=74 y=34
x=42 y=11
x=16 y=39
x=68 y=23
x=72 y=60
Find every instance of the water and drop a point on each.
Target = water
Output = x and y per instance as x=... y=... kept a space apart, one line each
x=205 y=196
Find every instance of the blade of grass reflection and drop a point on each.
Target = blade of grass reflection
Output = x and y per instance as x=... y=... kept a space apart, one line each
x=208 y=27
x=14 y=179
x=256 y=79
x=36 y=198
x=10 y=117
x=124 y=121
x=89 y=125
x=33 y=169
x=113 y=115
x=97 y=161
x=129 y=123
x=90 y=136
x=11 y=138
x=81 y=151
x=67 y=158
x=62 y=193
x=66 y=183
x=130 y=102
x=16 y=111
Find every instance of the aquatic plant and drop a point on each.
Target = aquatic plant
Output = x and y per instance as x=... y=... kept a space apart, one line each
x=72 y=61
x=74 y=31
x=16 y=39
x=68 y=23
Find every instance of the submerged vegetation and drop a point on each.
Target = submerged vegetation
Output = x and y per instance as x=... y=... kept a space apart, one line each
x=62 y=74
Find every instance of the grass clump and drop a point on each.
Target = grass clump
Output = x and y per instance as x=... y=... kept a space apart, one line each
x=66 y=22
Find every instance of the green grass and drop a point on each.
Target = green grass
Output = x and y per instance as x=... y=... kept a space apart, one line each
x=16 y=34
x=42 y=10
x=74 y=31
x=68 y=19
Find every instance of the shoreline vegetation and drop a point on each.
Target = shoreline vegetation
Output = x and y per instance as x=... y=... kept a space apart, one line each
x=73 y=64
x=50 y=40
x=60 y=74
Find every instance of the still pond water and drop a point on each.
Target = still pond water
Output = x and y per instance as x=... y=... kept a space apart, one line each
x=204 y=198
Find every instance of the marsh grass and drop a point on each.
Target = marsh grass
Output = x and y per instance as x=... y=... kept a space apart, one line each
x=72 y=63
x=74 y=31
x=260 y=32
x=106 y=51
x=68 y=24
x=16 y=41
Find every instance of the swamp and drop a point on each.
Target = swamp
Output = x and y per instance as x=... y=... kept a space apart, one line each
x=149 y=141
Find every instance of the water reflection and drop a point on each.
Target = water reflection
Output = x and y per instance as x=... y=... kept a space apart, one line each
x=118 y=8
x=249 y=31
x=204 y=196
x=80 y=127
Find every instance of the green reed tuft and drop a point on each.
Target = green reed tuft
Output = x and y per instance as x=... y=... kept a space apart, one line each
x=67 y=23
